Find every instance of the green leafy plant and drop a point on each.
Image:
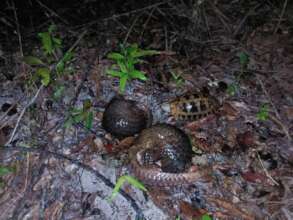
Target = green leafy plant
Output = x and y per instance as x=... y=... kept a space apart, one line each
x=58 y=91
x=53 y=63
x=84 y=115
x=4 y=170
x=206 y=217
x=234 y=87
x=203 y=217
x=263 y=113
x=177 y=78
x=126 y=60
x=131 y=180
x=244 y=59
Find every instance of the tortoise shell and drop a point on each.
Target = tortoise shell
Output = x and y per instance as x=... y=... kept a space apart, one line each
x=193 y=106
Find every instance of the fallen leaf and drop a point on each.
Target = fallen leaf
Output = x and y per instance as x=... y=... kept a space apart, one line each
x=254 y=177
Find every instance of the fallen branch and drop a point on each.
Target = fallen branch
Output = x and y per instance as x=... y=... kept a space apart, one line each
x=22 y=113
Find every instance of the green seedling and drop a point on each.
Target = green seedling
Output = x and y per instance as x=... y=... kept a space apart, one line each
x=84 y=115
x=263 y=113
x=203 y=217
x=234 y=87
x=53 y=63
x=244 y=60
x=4 y=170
x=131 y=180
x=206 y=217
x=177 y=78
x=58 y=92
x=125 y=66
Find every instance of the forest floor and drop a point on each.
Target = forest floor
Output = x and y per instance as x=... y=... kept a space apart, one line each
x=58 y=162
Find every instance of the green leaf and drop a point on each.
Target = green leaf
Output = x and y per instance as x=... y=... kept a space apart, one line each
x=57 y=41
x=89 y=120
x=117 y=187
x=44 y=73
x=132 y=49
x=122 y=66
x=174 y=75
x=122 y=82
x=206 y=217
x=46 y=42
x=76 y=111
x=78 y=118
x=68 y=123
x=86 y=105
x=135 y=61
x=5 y=170
x=142 y=53
x=115 y=56
x=135 y=74
x=67 y=56
x=232 y=89
x=58 y=92
x=263 y=113
x=179 y=82
x=69 y=70
x=52 y=28
x=243 y=58
x=130 y=64
x=134 y=182
x=2 y=184
x=60 y=67
x=31 y=60
x=114 y=73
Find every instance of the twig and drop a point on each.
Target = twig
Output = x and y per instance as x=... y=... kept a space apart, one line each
x=22 y=113
x=281 y=16
x=17 y=29
x=81 y=165
x=27 y=171
x=232 y=209
x=281 y=125
x=52 y=12
x=127 y=13
x=74 y=99
x=206 y=21
x=146 y=23
x=287 y=213
x=3 y=124
x=138 y=10
x=278 y=117
x=6 y=112
x=266 y=171
x=120 y=23
x=77 y=41
x=166 y=38
x=221 y=16
x=242 y=22
x=130 y=29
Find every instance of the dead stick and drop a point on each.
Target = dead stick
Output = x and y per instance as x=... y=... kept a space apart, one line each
x=22 y=113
